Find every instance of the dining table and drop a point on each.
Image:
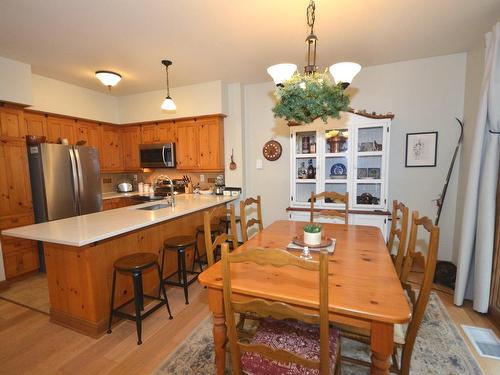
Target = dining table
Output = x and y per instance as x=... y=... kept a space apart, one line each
x=364 y=289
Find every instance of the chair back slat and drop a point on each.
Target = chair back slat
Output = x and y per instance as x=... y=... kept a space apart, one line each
x=278 y=310
x=246 y=224
x=210 y=247
x=420 y=303
x=334 y=197
x=276 y=258
x=400 y=214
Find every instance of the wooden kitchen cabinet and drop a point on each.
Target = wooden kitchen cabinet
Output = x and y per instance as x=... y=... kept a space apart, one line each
x=15 y=191
x=211 y=143
x=160 y=132
x=89 y=132
x=20 y=256
x=36 y=124
x=131 y=140
x=12 y=125
x=187 y=147
x=111 y=149
x=60 y=127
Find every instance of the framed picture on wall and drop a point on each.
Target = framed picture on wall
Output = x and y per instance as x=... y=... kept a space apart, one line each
x=421 y=149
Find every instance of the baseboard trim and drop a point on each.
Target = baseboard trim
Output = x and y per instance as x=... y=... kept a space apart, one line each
x=88 y=328
x=4 y=284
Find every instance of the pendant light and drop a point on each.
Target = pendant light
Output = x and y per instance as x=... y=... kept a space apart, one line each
x=168 y=104
x=343 y=73
x=108 y=78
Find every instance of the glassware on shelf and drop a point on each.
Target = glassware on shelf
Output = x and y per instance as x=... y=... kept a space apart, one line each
x=312 y=148
x=311 y=171
x=302 y=171
x=305 y=145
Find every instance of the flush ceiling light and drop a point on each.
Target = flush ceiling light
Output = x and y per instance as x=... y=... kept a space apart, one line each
x=168 y=104
x=302 y=98
x=108 y=78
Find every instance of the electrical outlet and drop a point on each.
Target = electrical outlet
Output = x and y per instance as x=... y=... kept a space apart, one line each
x=107 y=180
x=202 y=178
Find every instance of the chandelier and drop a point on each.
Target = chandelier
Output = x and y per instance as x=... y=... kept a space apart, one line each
x=305 y=97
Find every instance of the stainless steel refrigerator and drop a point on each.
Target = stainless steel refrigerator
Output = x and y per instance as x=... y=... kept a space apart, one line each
x=65 y=181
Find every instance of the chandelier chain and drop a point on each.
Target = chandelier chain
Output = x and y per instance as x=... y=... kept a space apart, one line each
x=311 y=15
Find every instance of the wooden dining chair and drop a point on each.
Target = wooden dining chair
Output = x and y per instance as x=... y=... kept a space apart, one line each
x=400 y=215
x=212 y=245
x=334 y=198
x=284 y=329
x=245 y=224
x=405 y=334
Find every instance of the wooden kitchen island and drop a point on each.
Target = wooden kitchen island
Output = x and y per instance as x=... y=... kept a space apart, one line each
x=80 y=251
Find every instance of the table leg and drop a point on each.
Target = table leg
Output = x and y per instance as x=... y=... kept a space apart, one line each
x=382 y=342
x=216 y=304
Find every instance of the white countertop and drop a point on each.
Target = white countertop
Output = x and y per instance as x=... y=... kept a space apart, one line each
x=86 y=229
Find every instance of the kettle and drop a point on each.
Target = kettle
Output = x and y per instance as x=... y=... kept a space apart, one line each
x=124 y=187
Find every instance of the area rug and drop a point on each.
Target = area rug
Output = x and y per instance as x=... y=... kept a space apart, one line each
x=439 y=349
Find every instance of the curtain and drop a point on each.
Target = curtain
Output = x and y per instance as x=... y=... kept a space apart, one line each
x=475 y=257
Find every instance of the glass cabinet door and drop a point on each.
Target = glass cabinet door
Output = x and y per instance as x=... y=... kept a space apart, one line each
x=369 y=166
x=336 y=172
x=305 y=166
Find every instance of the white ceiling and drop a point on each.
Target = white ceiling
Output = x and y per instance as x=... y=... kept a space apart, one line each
x=228 y=40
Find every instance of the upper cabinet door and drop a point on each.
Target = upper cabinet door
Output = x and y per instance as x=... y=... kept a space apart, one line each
x=131 y=139
x=149 y=133
x=111 y=149
x=15 y=191
x=211 y=144
x=88 y=132
x=12 y=125
x=166 y=132
x=36 y=124
x=187 y=151
x=59 y=128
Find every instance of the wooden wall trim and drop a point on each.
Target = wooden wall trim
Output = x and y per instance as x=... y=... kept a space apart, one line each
x=153 y=122
x=4 y=284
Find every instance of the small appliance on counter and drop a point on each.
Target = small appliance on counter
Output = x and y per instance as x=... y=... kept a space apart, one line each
x=124 y=187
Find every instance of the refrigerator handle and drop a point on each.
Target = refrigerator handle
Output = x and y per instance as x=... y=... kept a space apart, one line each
x=74 y=173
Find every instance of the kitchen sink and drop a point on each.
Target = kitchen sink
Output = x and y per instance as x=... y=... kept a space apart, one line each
x=154 y=207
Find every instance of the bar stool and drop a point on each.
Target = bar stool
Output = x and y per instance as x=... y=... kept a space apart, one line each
x=133 y=265
x=226 y=221
x=179 y=244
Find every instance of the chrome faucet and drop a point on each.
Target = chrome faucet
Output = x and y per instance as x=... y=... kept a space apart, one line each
x=171 y=189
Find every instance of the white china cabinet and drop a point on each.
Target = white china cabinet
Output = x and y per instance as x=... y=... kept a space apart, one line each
x=351 y=155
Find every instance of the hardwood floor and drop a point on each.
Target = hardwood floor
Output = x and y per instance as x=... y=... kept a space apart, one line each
x=30 y=344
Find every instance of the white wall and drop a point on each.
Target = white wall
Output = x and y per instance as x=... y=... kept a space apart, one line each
x=194 y=100
x=272 y=182
x=15 y=81
x=424 y=95
x=473 y=78
x=59 y=97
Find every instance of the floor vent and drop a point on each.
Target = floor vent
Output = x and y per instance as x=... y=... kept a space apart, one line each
x=484 y=340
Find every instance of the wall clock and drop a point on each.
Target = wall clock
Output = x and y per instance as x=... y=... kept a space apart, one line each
x=272 y=150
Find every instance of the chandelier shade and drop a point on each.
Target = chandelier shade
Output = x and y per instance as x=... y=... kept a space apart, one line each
x=344 y=72
x=168 y=104
x=108 y=78
x=281 y=72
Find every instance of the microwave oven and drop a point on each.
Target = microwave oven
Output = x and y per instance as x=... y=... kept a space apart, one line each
x=157 y=155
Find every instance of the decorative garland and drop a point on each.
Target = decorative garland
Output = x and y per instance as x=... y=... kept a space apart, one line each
x=305 y=98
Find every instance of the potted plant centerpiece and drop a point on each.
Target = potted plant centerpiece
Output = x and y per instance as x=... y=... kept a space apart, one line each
x=312 y=234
